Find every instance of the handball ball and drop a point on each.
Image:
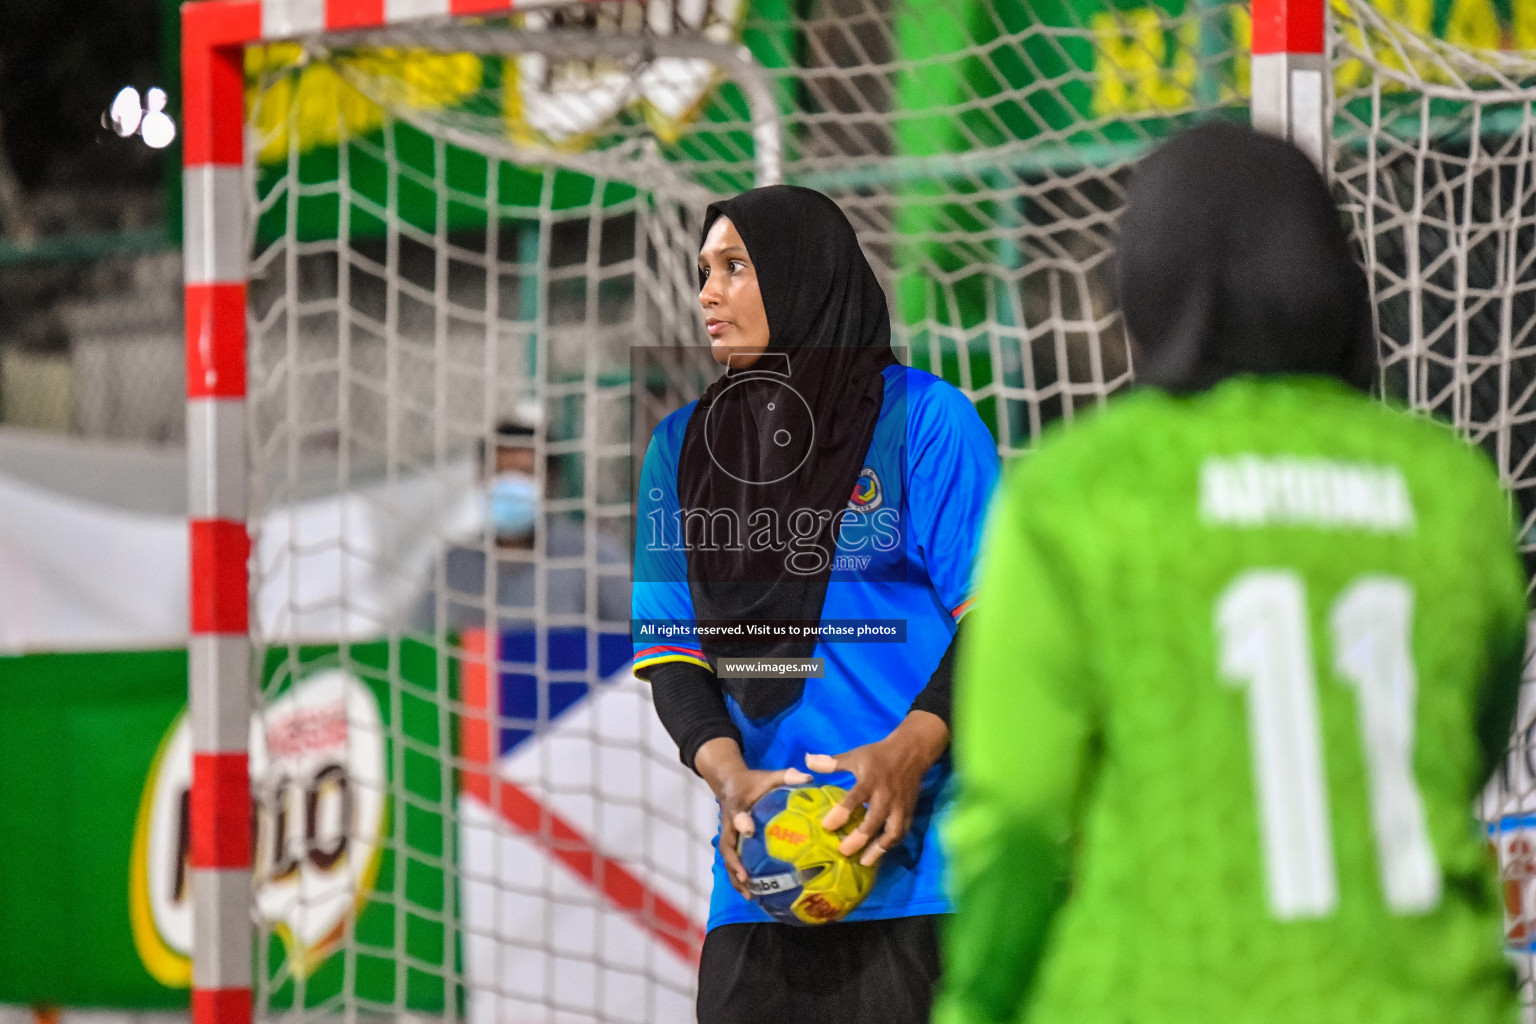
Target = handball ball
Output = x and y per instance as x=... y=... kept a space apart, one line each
x=795 y=870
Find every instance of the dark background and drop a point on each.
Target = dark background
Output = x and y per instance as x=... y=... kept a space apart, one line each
x=89 y=223
x=60 y=65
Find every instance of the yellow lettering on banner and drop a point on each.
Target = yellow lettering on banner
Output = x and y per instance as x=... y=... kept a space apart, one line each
x=1136 y=72
x=1120 y=62
x=1352 y=73
x=315 y=105
x=1418 y=15
x=1473 y=23
x=1242 y=63
x=1132 y=69
x=1524 y=24
x=1186 y=68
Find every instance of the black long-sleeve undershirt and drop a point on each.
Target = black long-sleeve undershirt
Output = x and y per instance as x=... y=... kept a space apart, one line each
x=692 y=709
x=937 y=697
x=690 y=706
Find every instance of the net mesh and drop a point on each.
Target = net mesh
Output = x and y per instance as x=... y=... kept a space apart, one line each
x=1432 y=161
x=473 y=249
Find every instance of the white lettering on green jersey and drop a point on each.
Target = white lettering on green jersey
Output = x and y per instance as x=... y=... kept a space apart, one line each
x=1252 y=491
x=1239 y=665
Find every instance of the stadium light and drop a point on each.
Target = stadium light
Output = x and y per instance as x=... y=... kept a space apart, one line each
x=126 y=112
x=158 y=130
x=128 y=116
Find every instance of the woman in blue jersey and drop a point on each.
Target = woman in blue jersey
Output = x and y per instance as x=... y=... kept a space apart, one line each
x=817 y=482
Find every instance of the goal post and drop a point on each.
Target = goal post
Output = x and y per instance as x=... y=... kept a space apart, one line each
x=224 y=691
x=214 y=35
x=427 y=238
x=1290 y=65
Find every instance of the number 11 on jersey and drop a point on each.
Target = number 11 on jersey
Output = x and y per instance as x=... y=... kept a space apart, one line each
x=1265 y=647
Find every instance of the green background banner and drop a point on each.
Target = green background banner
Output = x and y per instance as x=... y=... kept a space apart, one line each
x=78 y=735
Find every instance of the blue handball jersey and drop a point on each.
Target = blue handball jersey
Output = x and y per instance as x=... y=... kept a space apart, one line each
x=905 y=554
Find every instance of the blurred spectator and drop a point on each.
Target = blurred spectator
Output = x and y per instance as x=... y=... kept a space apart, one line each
x=513 y=510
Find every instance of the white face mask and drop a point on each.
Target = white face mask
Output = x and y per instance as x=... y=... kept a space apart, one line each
x=513 y=503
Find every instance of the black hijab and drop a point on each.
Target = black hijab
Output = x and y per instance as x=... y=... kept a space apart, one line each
x=780 y=444
x=1233 y=259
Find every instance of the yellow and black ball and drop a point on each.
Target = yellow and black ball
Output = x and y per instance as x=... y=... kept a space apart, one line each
x=796 y=872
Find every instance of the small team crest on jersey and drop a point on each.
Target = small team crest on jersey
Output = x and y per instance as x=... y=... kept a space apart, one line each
x=867 y=495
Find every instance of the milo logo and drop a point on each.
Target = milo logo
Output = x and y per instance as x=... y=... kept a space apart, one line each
x=318 y=795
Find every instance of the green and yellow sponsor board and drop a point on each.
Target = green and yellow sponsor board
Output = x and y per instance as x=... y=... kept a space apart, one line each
x=353 y=885
x=321 y=129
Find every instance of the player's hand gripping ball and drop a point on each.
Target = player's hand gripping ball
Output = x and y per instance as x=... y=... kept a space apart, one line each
x=796 y=872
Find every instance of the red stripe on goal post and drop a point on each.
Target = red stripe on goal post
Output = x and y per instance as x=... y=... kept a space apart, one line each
x=479 y=743
x=458 y=7
x=1287 y=26
x=220 y=585
x=214 y=34
x=343 y=14
x=221 y=811
x=1290 y=75
x=225 y=1005
x=215 y=336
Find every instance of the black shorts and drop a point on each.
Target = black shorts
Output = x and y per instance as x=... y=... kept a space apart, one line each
x=862 y=972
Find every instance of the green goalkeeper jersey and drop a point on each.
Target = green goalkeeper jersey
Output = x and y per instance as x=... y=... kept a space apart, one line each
x=1238 y=665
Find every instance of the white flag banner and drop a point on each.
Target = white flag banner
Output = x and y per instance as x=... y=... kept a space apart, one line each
x=79 y=575
x=587 y=889
x=93 y=549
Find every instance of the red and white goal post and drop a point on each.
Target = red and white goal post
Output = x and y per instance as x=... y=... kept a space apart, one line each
x=503 y=207
x=214 y=36
x=1290 y=89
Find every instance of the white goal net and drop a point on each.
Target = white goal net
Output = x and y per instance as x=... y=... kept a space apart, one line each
x=473 y=248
